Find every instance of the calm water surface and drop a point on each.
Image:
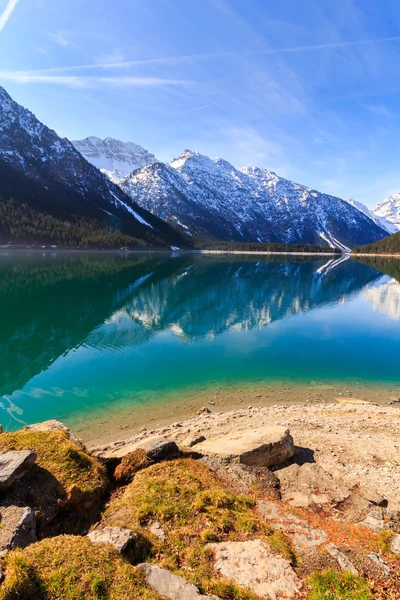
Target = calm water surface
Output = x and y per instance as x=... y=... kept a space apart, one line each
x=94 y=332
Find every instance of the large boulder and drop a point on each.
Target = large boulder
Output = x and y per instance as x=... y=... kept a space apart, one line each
x=242 y=479
x=14 y=465
x=309 y=484
x=119 y=537
x=171 y=586
x=266 y=446
x=253 y=565
x=17 y=528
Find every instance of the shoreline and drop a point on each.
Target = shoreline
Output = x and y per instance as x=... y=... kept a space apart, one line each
x=107 y=426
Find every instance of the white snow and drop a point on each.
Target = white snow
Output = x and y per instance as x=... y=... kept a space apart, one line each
x=130 y=210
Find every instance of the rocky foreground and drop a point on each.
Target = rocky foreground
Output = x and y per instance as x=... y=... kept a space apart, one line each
x=278 y=502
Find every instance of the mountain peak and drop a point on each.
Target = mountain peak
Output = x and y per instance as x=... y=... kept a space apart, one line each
x=389 y=209
x=114 y=158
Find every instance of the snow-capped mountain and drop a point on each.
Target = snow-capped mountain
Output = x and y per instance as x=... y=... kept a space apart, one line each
x=207 y=196
x=389 y=209
x=379 y=220
x=46 y=172
x=113 y=157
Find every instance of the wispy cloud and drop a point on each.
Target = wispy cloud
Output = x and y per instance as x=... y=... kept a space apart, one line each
x=116 y=56
x=185 y=112
x=76 y=81
x=187 y=58
x=60 y=38
x=380 y=110
x=7 y=13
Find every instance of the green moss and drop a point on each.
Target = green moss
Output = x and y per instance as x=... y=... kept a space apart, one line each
x=333 y=585
x=71 y=568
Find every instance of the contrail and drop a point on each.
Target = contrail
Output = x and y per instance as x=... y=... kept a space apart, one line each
x=7 y=13
x=184 y=112
x=185 y=58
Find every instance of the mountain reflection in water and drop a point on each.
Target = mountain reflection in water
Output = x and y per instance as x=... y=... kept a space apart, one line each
x=65 y=317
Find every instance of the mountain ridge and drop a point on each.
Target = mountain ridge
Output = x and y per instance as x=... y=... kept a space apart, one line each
x=211 y=197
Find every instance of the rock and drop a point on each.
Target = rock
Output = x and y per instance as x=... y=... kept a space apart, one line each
x=265 y=446
x=157 y=448
x=378 y=561
x=376 y=520
x=253 y=565
x=130 y=465
x=341 y=559
x=54 y=425
x=17 y=527
x=303 y=536
x=309 y=484
x=156 y=529
x=192 y=441
x=13 y=466
x=243 y=479
x=204 y=411
x=171 y=586
x=163 y=450
x=395 y=544
x=118 y=537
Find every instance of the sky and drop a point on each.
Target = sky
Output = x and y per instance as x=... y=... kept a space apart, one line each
x=307 y=88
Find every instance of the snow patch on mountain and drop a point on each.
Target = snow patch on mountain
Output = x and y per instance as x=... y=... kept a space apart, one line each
x=389 y=210
x=114 y=158
x=380 y=220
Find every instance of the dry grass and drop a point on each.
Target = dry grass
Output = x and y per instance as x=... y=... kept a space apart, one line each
x=192 y=506
x=71 y=568
x=64 y=476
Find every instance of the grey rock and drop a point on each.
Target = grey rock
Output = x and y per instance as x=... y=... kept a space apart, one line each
x=171 y=586
x=13 y=466
x=378 y=561
x=193 y=441
x=157 y=530
x=17 y=527
x=341 y=559
x=303 y=536
x=163 y=450
x=310 y=484
x=395 y=544
x=265 y=446
x=243 y=479
x=118 y=537
x=253 y=565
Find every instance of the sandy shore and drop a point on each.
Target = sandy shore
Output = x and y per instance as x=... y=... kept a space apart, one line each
x=128 y=419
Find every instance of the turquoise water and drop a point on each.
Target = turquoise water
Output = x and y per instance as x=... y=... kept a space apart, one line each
x=95 y=332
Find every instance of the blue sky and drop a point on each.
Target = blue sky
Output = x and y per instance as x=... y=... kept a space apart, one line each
x=308 y=88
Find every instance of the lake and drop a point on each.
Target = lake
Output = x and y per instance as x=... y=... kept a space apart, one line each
x=86 y=335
